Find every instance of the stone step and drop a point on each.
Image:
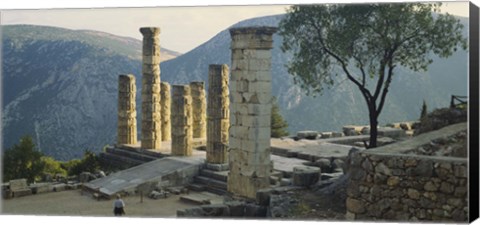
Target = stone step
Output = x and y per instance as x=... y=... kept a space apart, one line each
x=196 y=187
x=131 y=154
x=283 y=152
x=209 y=182
x=217 y=191
x=220 y=176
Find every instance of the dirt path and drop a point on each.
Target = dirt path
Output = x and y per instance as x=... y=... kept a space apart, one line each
x=73 y=203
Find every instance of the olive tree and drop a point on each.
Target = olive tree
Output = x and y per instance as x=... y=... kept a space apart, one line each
x=365 y=43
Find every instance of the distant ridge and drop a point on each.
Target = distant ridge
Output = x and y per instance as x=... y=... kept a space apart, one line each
x=60 y=86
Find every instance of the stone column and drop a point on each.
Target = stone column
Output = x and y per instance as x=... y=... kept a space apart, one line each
x=151 y=122
x=218 y=114
x=127 y=115
x=165 y=108
x=250 y=86
x=199 y=107
x=182 y=130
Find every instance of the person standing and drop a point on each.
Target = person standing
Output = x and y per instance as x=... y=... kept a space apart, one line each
x=118 y=206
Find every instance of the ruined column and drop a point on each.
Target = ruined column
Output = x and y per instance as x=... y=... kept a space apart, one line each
x=199 y=107
x=165 y=108
x=151 y=122
x=218 y=114
x=181 y=118
x=127 y=115
x=250 y=86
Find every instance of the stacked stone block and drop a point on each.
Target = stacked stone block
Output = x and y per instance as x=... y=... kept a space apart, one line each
x=151 y=111
x=127 y=114
x=393 y=184
x=182 y=122
x=250 y=86
x=166 y=110
x=218 y=112
x=199 y=107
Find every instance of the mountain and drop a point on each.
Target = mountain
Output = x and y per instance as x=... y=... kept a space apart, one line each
x=341 y=105
x=62 y=88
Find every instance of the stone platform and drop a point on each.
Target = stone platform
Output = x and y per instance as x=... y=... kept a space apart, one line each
x=168 y=171
x=312 y=150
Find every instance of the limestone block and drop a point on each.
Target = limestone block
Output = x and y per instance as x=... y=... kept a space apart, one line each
x=181 y=121
x=151 y=98
x=250 y=109
x=308 y=134
x=305 y=175
x=199 y=107
x=127 y=122
x=18 y=184
x=165 y=105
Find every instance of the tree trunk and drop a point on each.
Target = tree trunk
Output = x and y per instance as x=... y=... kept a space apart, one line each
x=373 y=126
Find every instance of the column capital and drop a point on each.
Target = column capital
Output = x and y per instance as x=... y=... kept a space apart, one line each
x=252 y=37
x=150 y=31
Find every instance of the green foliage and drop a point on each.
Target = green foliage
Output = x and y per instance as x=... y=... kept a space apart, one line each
x=278 y=124
x=52 y=166
x=424 y=112
x=366 y=43
x=23 y=161
x=89 y=163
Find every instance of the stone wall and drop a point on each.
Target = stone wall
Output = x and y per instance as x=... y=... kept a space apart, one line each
x=151 y=111
x=218 y=114
x=391 y=183
x=199 y=107
x=165 y=103
x=127 y=115
x=182 y=123
x=250 y=110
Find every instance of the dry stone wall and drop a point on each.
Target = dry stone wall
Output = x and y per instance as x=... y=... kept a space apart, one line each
x=127 y=115
x=151 y=110
x=391 y=183
x=182 y=122
x=199 y=106
x=218 y=114
x=250 y=86
x=165 y=103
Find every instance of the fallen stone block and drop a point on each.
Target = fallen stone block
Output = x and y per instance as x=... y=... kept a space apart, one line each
x=217 y=210
x=285 y=182
x=236 y=208
x=41 y=188
x=194 y=212
x=308 y=134
x=59 y=187
x=325 y=135
x=18 y=184
x=391 y=132
x=21 y=192
x=253 y=210
x=305 y=175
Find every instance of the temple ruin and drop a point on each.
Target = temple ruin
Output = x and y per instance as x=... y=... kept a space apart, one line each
x=182 y=124
x=250 y=86
x=127 y=114
x=199 y=107
x=151 y=110
x=165 y=103
x=218 y=112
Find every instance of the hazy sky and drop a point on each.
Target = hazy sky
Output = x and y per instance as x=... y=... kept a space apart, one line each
x=182 y=28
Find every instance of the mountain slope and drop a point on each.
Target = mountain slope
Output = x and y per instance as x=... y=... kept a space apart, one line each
x=60 y=86
x=343 y=103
